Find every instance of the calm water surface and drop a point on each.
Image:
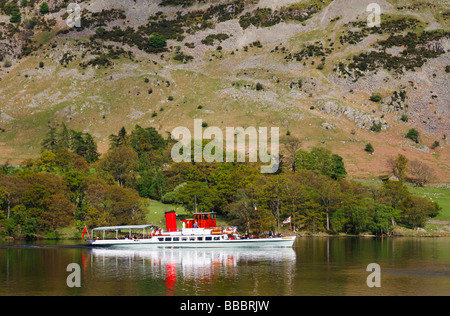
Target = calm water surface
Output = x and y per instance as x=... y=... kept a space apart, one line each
x=315 y=266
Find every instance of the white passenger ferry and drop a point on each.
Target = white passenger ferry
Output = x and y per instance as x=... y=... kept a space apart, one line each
x=198 y=232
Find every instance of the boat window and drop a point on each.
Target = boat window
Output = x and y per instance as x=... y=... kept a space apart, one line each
x=205 y=216
x=213 y=216
x=184 y=239
x=161 y=239
x=168 y=239
x=192 y=238
x=216 y=238
x=208 y=238
x=176 y=238
x=199 y=238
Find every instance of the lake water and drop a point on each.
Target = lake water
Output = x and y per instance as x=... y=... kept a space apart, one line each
x=315 y=266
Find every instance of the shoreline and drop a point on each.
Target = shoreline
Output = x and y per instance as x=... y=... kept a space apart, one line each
x=433 y=228
x=398 y=233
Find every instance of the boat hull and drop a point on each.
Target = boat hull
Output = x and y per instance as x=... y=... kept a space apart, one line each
x=143 y=243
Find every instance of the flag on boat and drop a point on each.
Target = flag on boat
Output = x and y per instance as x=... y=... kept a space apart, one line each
x=84 y=231
x=287 y=220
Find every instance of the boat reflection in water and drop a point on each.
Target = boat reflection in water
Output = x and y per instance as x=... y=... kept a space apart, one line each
x=197 y=269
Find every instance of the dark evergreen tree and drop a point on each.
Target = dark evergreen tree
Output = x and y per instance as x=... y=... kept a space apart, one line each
x=118 y=140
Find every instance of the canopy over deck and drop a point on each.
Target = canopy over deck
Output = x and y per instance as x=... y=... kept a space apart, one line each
x=125 y=227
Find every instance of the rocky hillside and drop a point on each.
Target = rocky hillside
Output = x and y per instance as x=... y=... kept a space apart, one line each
x=313 y=67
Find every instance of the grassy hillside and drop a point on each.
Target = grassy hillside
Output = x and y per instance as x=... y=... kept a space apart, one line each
x=296 y=60
x=439 y=195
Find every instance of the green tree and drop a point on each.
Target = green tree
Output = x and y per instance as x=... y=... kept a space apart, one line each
x=121 y=163
x=369 y=148
x=64 y=137
x=146 y=140
x=384 y=219
x=51 y=140
x=15 y=17
x=76 y=181
x=124 y=206
x=360 y=218
x=242 y=211
x=270 y=193
x=44 y=9
x=118 y=140
x=84 y=145
x=152 y=185
x=393 y=194
x=296 y=200
x=398 y=166
x=376 y=97
x=416 y=211
x=305 y=160
x=11 y=7
x=337 y=167
x=329 y=195
x=47 y=161
x=413 y=134
x=35 y=197
x=228 y=177
x=3 y=197
x=64 y=160
x=197 y=196
x=322 y=160
x=157 y=41
x=58 y=212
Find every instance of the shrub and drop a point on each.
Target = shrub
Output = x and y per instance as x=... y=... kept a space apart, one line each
x=369 y=148
x=15 y=17
x=376 y=127
x=100 y=32
x=435 y=145
x=404 y=118
x=210 y=39
x=41 y=64
x=375 y=97
x=413 y=134
x=44 y=8
x=10 y=7
x=157 y=41
x=183 y=57
x=259 y=86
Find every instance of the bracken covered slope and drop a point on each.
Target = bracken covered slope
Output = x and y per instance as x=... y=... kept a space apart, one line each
x=313 y=68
